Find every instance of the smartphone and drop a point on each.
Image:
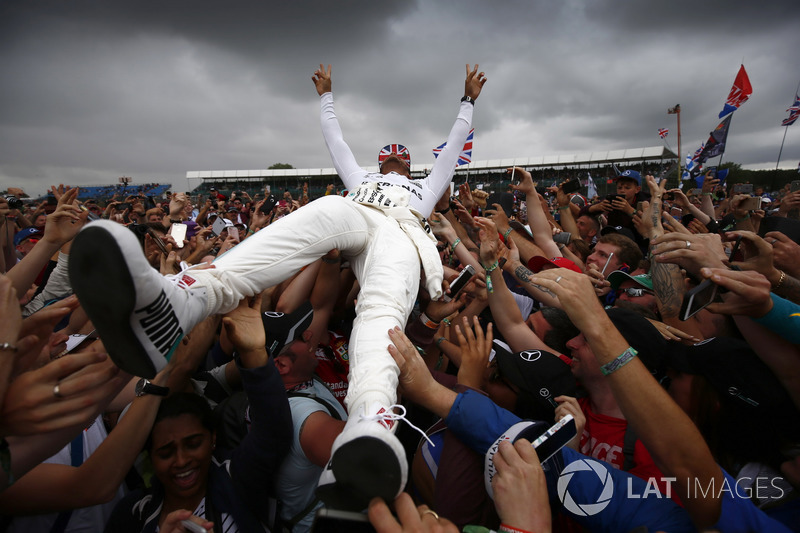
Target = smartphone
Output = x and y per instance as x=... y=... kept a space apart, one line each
x=91 y=216
x=711 y=172
x=233 y=232
x=546 y=445
x=639 y=207
x=669 y=196
x=555 y=438
x=268 y=205
x=335 y=521
x=695 y=192
x=122 y=206
x=697 y=299
x=562 y=237
x=743 y=188
x=505 y=199
x=795 y=186
x=460 y=282
x=751 y=204
x=193 y=527
x=178 y=232
x=157 y=239
x=571 y=186
x=218 y=226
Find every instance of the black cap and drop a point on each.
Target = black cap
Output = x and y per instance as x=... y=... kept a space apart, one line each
x=540 y=377
x=283 y=328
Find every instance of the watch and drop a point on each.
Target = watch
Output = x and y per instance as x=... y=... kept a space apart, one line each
x=144 y=386
x=468 y=99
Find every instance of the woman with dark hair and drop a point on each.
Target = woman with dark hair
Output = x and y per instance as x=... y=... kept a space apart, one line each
x=232 y=491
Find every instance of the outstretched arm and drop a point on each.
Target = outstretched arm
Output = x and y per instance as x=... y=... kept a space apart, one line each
x=342 y=157
x=442 y=171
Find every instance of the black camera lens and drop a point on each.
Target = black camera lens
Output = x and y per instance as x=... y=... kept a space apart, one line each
x=13 y=202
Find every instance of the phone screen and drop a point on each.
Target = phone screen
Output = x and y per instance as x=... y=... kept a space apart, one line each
x=571 y=186
x=234 y=232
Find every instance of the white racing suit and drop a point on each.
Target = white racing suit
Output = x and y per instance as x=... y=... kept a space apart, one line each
x=379 y=227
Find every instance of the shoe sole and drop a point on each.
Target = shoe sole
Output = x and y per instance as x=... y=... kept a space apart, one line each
x=99 y=276
x=364 y=468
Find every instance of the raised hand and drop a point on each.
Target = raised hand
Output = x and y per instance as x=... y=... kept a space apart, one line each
x=322 y=79
x=473 y=84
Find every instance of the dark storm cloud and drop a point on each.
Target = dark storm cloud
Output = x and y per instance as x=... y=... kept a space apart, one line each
x=95 y=90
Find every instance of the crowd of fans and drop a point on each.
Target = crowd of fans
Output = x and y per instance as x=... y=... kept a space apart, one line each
x=580 y=308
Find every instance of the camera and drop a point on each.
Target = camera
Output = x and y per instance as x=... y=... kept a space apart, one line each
x=13 y=201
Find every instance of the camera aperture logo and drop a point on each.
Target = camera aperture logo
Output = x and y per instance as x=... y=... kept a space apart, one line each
x=585 y=508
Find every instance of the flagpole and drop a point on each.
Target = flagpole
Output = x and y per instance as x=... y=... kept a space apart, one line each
x=680 y=174
x=778 y=164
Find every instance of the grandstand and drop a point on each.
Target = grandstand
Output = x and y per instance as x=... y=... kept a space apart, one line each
x=104 y=193
x=488 y=174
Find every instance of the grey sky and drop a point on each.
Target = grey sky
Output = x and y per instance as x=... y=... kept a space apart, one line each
x=95 y=90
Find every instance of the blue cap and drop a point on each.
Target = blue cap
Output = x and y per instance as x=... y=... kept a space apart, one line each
x=27 y=233
x=631 y=175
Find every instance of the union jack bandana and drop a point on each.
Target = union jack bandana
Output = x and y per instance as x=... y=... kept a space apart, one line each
x=394 y=149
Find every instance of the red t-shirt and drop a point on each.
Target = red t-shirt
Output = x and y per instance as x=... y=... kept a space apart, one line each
x=333 y=365
x=603 y=438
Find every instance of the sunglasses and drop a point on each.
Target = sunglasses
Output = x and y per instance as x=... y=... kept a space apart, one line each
x=636 y=292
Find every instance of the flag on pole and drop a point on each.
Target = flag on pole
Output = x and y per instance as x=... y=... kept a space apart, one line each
x=674 y=110
x=592 y=189
x=466 y=154
x=663 y=132
x=715 y=144
x=794 y=112
x=739 y=94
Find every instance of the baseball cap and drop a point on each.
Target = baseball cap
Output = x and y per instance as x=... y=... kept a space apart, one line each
x=539 y=375
x=631 y=175
x=538 y=262
x=618 y=277
x=27 y=233
x=394 y=149
x=282 y=329
x=622 y=230
x=644 y=338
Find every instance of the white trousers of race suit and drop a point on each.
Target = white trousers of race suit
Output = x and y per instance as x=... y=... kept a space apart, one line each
x=383 y=257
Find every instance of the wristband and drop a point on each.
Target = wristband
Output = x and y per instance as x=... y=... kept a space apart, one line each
x=705 y=194
x=621 y=360
x=743 y=219
x=453 y=246
x=175 y=221
x=428 y=322
x=491 y=268
x=505 y=528
x=444 y=211
x=439 y=341
x=468 y=99
x=250 y=231
x=507 y=232
x=563 y=207
x=5 y=461
x=330 y=261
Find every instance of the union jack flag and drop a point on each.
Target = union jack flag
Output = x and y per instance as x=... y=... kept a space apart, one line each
x=394 y=149
x=466 y=154
x=794 y=112
x=663 y=132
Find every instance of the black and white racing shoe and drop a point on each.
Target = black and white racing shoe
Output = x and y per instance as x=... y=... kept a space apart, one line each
x=367 y=460
x=140 y=315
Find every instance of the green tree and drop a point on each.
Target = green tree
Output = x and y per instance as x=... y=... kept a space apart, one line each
x=281 y=166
